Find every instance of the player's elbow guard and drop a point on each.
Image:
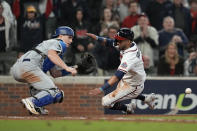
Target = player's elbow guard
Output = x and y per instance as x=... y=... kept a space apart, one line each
x=119 y=74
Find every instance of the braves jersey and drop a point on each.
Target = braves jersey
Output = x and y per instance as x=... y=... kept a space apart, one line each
x=132 y=65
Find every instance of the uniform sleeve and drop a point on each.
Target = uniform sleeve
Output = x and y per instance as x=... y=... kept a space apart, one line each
x=109 y=42
x=48 y=64
x=56 y=46
x=127 y=63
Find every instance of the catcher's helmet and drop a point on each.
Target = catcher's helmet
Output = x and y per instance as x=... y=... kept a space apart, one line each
x=63 y=30
x=124 y=33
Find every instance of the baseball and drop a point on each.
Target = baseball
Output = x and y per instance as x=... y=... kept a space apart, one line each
x=188 y=91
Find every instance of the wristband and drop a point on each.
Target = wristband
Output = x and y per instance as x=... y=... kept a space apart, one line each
x=100 y=39
x=101 y=89
x=105 y=86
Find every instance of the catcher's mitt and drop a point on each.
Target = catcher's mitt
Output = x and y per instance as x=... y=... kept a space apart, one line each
x=87 y=64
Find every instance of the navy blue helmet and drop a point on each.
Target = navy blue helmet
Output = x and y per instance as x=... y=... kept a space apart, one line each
x=63 y=30
x=124 y=33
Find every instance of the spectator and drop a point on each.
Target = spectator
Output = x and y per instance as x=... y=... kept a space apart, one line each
x=9 y=2
x=68 y=9
x=8 y=29
x=7 y=38
x=31 y=30
x=81 y=27
x=195 y=70
x=106 y=22
x=193 y=37
x=19 y=7
x=157 y=10
x=143 y=4
x=107 y=57
x=123 y=9
x=50 y=9
x=171 y=64
x=146 y=38
x=7 y=12
x=111 y=4
x=131 y=20
x=181 y=17
x=170 y=33
x=16 y=8
x=190 y=65
x=185 y=3
x=94 y=15
x=150 y=71
x=193 y=11
x=81 y=40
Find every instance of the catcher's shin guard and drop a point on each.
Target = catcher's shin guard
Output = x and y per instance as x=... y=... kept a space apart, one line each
x=45 y=98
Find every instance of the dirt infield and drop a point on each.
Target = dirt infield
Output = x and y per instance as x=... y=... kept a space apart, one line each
x=132 y=118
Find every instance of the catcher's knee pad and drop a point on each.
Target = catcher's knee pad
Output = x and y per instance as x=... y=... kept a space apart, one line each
x=59 y=96
x=44 y=98
x=33 y=91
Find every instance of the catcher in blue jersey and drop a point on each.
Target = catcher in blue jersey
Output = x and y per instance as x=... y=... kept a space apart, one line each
x=31 y=68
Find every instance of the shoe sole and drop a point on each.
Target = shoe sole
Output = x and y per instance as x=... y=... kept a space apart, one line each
x=29 y=107
x=151 y=106
x=25 y=108
x=41 y=113
x=131 y=112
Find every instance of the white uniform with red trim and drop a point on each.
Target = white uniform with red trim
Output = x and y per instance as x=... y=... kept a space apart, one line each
x=132 y=84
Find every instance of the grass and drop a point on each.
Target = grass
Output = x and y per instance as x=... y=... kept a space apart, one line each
x=98 y=125
x=176 y=117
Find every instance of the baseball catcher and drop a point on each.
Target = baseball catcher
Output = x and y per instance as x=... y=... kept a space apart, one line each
x=31 y=68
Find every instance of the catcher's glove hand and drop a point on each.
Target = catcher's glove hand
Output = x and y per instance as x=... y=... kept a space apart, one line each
x=87 y=64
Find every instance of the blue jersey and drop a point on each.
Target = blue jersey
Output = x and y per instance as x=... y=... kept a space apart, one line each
x=48 y=64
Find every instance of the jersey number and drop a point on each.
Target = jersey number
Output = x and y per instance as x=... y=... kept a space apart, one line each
x=138 y=54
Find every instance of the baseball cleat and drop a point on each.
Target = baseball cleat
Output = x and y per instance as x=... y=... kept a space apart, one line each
x=29 y=106
x=149 y=100
x=130 y=108
x=42 y=110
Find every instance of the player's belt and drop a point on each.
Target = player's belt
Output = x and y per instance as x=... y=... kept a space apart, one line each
x=39 y=52
x=26 y=60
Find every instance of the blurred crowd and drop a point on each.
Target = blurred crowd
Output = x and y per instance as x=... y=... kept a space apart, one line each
x=165 y=31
